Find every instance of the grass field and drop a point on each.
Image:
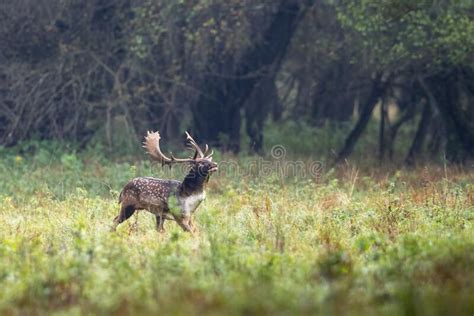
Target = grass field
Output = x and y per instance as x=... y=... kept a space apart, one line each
x=350 y=241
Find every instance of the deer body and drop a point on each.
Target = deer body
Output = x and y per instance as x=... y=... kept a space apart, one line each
x=167 y=199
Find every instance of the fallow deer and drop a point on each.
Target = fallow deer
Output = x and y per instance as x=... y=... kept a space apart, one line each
x=168 y=199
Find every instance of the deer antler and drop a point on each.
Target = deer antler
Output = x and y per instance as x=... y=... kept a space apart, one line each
x=206 y=155
x=193 y=143
x=209 y=156
x=152 y=145
x=198 y=151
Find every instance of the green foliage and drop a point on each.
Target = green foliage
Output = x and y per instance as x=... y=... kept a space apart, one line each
x=428 y=34
x=207 y=29
x=347 y=242
x=323 y=142
x=299 y=138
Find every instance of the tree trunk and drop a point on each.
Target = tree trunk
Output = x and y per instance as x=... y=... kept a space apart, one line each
x=334 y=96
x=383 y=114
x=377 y=90
x=216 y=114
x=406 y=116
x=263 y=98
x=420 y=135
x=444 y=92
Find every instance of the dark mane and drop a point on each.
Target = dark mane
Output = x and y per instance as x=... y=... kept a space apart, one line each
x=194 y=181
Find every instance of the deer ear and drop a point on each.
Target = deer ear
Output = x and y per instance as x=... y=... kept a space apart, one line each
x=210 y=158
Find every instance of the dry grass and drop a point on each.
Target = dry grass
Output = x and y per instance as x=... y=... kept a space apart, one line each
x=353 y=241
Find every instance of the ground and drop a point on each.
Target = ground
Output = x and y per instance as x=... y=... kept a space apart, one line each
x=350 y=240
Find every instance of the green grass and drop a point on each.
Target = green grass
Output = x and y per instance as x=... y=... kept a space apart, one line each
x=350 y=241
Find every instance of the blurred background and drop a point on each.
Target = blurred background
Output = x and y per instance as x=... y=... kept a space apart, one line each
x=391 y=80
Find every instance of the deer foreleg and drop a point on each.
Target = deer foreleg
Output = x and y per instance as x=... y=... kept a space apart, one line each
x=184 y=222
x=191 y=224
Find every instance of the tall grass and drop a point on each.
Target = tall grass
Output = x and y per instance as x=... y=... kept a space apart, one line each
x=349 y=241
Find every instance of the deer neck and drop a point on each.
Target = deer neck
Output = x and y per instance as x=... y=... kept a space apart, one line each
x=193 y=183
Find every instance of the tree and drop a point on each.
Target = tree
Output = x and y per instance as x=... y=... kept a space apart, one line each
x=424 y=39
x=223 y=96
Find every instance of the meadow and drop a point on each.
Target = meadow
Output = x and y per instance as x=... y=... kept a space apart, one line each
x=349 y=240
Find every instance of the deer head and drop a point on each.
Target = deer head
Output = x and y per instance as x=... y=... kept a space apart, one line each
x=201 y=162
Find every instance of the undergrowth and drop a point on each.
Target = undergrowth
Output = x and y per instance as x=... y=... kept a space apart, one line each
x=352 y=241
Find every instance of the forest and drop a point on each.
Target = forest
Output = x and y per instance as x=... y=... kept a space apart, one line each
x=85 y=71
x=343 y=131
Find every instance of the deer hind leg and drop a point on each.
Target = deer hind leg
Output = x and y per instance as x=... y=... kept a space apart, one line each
x=125 y=213
x=160 y=220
